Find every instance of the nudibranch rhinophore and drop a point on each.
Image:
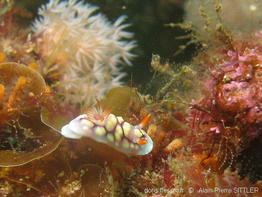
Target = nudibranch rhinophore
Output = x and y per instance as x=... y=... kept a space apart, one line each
x=112 y=130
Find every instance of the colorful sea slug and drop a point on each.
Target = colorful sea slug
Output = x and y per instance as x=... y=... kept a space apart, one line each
x=107 y=128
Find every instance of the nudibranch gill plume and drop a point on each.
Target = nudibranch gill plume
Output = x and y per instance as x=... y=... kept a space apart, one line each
x=112 y=130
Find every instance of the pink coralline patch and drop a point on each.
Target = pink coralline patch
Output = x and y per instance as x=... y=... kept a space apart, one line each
x=254 y=115
x=215 y=129
x=240 y=66
x=245 y=56
x=239 y=79
x=236 y=96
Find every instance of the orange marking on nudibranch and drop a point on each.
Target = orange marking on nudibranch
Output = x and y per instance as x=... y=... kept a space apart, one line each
x=141 y=141
x=145 y=121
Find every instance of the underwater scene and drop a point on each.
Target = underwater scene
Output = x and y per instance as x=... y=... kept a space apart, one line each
x=130 y=98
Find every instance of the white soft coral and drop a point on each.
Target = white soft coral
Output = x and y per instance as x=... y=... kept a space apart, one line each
x=84 y=47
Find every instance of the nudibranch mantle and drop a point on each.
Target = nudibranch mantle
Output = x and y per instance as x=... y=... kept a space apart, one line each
x=111 y=130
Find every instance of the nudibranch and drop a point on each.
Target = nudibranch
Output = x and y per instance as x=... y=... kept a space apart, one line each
x=112 y=130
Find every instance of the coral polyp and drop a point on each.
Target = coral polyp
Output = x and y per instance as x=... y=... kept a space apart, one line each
x=82 y=49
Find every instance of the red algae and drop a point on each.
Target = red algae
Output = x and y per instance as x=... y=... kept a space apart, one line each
x=228 y=117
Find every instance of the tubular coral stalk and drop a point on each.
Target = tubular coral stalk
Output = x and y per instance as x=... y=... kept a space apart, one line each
x=2 y=93
x=2 y=57
x=33 y=65
x=18 y=86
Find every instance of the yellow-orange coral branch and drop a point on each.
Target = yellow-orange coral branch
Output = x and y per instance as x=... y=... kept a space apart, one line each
x=2 y=92
x=18 y=86
x=2 y=57
x=33 y=65
x=174 y=145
